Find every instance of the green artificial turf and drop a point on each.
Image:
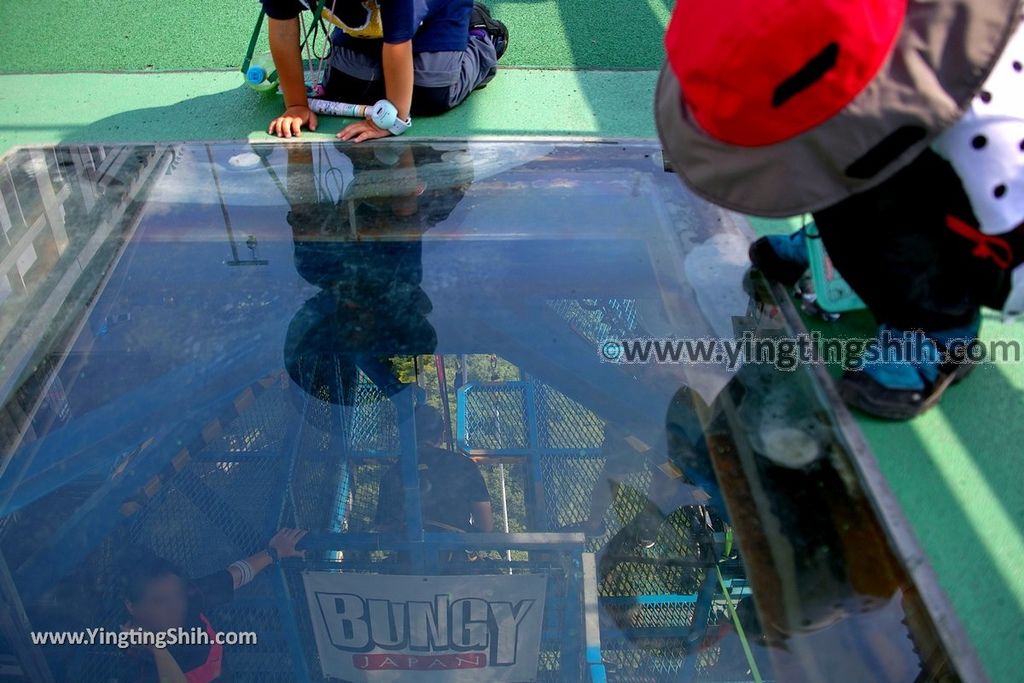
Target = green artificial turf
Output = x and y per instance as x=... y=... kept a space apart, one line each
x=128 y=35
x=956 y=471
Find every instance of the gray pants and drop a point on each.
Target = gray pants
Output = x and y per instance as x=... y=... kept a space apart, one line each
x=441 y=80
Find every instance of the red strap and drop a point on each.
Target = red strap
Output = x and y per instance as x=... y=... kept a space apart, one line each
x=209 y=670
x=986 y=246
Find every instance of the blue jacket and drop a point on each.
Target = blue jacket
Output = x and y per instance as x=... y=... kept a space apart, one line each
x=363 y=25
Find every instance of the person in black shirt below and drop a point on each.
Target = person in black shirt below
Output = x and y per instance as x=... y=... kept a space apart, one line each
x=158 y=599
x=453 y=495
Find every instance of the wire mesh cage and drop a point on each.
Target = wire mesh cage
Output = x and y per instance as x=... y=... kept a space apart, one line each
x=268 y=465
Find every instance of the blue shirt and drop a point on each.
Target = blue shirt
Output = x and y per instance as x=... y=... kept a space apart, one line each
x=363 y=25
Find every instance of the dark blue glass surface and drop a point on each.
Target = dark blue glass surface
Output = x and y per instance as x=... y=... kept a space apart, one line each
x=204 y=344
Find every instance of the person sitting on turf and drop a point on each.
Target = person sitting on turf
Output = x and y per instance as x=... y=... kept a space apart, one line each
x=159 y=599
x=453 y=494
x=425 y=57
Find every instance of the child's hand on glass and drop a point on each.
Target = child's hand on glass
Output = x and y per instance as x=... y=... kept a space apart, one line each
x=290 y=123
x=362 y=130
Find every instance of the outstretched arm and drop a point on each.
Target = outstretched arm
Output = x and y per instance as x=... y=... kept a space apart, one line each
x=283 y=543
x=284 y=46
x=396 y=60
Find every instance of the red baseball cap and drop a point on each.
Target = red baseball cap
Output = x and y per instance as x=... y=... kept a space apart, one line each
x=780 y=107
x=756 y=72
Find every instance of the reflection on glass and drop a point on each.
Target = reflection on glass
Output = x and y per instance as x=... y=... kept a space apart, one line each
x=387 y=363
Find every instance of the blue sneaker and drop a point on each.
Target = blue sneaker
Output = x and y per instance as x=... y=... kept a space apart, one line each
x=907 y=373
x=782 y=258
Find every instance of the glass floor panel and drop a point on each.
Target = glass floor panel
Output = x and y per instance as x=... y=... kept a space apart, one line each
x=421 y=355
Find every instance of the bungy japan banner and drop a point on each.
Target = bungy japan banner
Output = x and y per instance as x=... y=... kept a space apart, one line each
x=373 y=628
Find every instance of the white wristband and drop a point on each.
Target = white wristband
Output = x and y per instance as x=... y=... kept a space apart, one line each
x=245 y=571
x=400 y=126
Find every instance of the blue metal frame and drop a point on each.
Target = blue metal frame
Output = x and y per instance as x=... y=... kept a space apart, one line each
x=699 y=624
x=591 y=617
x=575 y=619
x=284 y=602
x=533 y=452
x=99 y=515
x=84 y=445
x=572 y=541
x=570 y=660
x=536 y=489
x=282 y=596
x=408 y=466
x=70 y=453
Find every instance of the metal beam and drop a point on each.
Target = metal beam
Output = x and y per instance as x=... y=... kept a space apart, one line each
x=472 y=541
x=100 y=514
